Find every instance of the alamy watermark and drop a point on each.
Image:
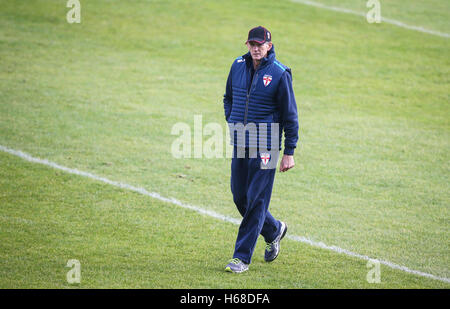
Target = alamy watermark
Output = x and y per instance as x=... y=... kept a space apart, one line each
x=190 y=144
x=73 y=276
x=374 y=14
x=74 y=14
x=374 y=273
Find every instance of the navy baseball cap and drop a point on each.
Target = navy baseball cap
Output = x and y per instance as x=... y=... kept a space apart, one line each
x=259 y=34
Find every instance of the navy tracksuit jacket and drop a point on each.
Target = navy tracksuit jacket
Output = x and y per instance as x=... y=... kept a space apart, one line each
x=262 y=97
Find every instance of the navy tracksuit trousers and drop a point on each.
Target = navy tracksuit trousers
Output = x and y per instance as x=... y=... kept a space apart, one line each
x=251 y=186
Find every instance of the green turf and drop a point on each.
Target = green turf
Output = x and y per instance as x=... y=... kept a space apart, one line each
x=431 y=14
x=102 y=96
x=123 y=239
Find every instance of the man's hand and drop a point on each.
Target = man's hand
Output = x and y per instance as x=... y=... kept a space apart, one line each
x=287 y=162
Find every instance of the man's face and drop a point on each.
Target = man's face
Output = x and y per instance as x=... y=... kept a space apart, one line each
x=258 y=51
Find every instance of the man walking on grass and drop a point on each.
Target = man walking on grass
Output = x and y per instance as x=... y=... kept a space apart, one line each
x=259 y=105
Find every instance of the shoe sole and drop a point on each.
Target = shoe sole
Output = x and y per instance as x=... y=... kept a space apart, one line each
x=229 y=270
x=282 y=236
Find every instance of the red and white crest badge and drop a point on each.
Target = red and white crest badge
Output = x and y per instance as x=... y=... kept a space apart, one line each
x=265 y=157
x=267 y=79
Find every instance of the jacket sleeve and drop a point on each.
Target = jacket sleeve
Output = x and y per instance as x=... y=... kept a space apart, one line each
x=228 y=98
x=288 y=109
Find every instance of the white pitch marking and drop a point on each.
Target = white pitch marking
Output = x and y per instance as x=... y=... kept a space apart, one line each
x=383 y=19
x=210 y=213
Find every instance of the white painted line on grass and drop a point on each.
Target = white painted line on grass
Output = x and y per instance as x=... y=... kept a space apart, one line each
x=383 y=19
x=210 y=213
